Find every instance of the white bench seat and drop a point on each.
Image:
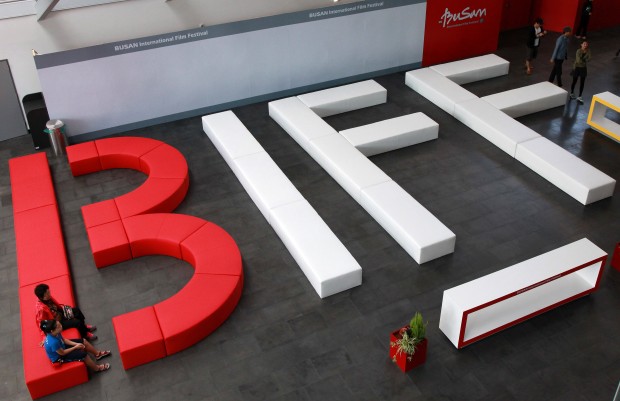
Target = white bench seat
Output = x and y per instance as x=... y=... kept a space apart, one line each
x=266 y=184
x=236 y=142
x=327 y=264
x=528 y=99
x=345 y=164
x=416 y=229
x=438 y=89
x=494 y=125
x=345 y=98
x=473 y=69
x=392 y=134
x=566 y=171
x=492 y=117
x=484 y=306
x=355 y=173
x=301 y=123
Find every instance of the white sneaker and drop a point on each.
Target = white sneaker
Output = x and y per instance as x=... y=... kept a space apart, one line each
x=580 y=100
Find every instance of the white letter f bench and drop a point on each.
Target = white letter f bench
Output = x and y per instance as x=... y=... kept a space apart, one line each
x=489 y=304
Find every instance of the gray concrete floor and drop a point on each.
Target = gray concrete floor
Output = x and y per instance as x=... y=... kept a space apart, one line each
x=283 y=342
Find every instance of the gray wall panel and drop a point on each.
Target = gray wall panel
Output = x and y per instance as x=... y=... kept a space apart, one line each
x=11 y=116
x=163 y=82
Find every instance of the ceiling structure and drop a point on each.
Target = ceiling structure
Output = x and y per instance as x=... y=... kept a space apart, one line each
x=42 y=8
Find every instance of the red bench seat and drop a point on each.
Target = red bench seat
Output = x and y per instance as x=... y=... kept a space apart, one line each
x=139 y=337
x=147 y=198
x=108 y=243
x=100 y=213
x=43 y=377
x=40 y=247
x=163 y=190
x=137 y=224
x=207 y=299
x=160 y=234
x=83 y=158
x=31 y=182
x=41 y=257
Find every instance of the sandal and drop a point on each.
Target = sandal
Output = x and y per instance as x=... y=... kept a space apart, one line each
x=103 y=368
x=102 y=354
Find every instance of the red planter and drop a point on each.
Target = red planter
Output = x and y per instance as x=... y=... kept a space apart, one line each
x=406 y=362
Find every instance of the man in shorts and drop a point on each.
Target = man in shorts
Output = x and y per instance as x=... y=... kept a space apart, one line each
x=534 y=34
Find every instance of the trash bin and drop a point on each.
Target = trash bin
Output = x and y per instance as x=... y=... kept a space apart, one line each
x=56 y=130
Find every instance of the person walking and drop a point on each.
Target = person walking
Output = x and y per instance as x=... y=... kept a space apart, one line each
x=560 y=53
x=534 y=34
x=586 y=12
x=580 y=70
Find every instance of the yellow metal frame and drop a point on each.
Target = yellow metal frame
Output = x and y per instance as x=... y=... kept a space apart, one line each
x=605 y=131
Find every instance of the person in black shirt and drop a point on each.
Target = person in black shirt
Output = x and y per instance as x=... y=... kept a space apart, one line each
x=586 y=12
x=534 y=34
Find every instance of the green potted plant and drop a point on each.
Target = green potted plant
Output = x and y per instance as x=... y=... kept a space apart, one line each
x=408 y=345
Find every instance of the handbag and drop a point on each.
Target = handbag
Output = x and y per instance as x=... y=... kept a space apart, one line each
x=67 y=312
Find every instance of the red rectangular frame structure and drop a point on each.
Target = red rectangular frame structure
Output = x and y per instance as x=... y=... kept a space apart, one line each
x=463 y=343
x=484 y=306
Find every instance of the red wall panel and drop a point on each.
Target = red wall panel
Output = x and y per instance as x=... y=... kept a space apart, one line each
x=457 y=29
x=516 y=14
x=557 y=13
x=606 y=14
x=560 y=13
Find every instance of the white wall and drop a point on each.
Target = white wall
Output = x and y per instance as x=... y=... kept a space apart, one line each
x=88 y=26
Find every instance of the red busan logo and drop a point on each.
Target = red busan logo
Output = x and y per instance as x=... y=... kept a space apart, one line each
x=466 y=16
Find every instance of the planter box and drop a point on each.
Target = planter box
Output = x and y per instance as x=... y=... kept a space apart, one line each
x=404 y=361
